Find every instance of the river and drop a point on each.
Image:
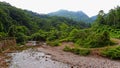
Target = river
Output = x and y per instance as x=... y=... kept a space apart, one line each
x=33 y=59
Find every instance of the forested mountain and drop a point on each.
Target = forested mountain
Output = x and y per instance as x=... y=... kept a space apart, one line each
x=15 y=22
x=93 y=18
x=78 y=16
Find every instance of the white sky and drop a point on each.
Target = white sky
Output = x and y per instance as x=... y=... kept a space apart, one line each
x=90 y=7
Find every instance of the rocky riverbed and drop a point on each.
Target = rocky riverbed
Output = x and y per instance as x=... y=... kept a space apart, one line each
x=33 y=59
x=90 y=61
x=54 y=57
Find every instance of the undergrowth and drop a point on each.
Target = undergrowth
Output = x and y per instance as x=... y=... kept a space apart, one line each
x=113 y=53
x=78 y=51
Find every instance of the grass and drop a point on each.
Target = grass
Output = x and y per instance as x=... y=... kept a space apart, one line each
x=113 y=53
x=109 y=51
x=53 y=43
x=15 y=48
x=20 y=48
x=78 y=51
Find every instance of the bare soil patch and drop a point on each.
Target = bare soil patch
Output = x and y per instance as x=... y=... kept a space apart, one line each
x=91 y=61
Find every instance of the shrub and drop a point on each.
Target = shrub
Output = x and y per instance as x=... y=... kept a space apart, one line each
x=51 y=38
x=38 y=37
x=53 y=43
x=100 y=40
x=81 y=51
x=2 y=34
x=21 y=38
x=78 y=51
x=66 y=48
x=113 y=53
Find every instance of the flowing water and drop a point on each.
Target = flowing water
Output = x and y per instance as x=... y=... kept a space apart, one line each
x=33 y=59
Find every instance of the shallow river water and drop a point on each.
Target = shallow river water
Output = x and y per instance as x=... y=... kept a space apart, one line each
x=33 y=59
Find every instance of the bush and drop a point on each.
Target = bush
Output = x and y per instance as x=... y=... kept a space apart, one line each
x=39 y=36
x=21 y=38
x=51 y=38
x=67 y=49
x=89 y=38
x=68 y=39
x=81 y=51
x=100 y=40
x=53 y=43
x=78 y=51
x=113 y=53
x=2 y=34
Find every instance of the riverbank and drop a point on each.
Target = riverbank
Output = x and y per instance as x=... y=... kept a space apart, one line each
x=64 y=58
x=91 y=61
x=3 y=63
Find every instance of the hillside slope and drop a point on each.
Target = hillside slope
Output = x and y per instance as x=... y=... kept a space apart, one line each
x=78 y=16
x=15 y=22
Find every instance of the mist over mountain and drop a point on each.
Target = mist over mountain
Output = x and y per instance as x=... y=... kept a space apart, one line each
x=77 y=16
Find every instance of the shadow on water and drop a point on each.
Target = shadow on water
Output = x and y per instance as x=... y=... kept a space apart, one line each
x=33 y=59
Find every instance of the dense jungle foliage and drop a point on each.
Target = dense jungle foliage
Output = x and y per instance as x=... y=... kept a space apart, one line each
x=26 y=25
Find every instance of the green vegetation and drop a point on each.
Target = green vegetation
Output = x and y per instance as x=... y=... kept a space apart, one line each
x=26 y=25
x=78 y=51
x=77 y=16
x=113 y=53
x=53 y=43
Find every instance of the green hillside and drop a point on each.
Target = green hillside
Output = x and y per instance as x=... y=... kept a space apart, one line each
x=26 y=25
x=15 y=22
x=77 y=16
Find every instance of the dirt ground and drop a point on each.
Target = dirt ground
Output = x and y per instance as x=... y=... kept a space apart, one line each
x=57 y=53
x=91 y=61
x=3 y=63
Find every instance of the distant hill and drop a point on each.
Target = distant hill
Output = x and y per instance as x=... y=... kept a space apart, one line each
x=77 y=16
x=15 y=22
x=93 y=18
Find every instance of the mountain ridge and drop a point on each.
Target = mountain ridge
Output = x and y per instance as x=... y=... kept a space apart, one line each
x=75 y=15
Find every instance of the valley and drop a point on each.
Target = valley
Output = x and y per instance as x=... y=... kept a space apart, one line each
x=62 y=39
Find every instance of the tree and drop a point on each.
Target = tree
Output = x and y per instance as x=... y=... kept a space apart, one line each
x=1 y=26
x=22 y=29
x=39 y=36
x=111 y=18
x=100 y=18
x=21 y=38
x=118 y=16
x=12 y=31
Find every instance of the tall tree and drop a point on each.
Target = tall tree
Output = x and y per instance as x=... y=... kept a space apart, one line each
x=100 y=18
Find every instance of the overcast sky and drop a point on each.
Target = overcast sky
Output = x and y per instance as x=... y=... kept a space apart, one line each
x=90 y=7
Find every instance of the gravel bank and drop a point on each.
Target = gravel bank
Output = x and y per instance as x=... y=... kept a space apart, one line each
x=80 y=61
